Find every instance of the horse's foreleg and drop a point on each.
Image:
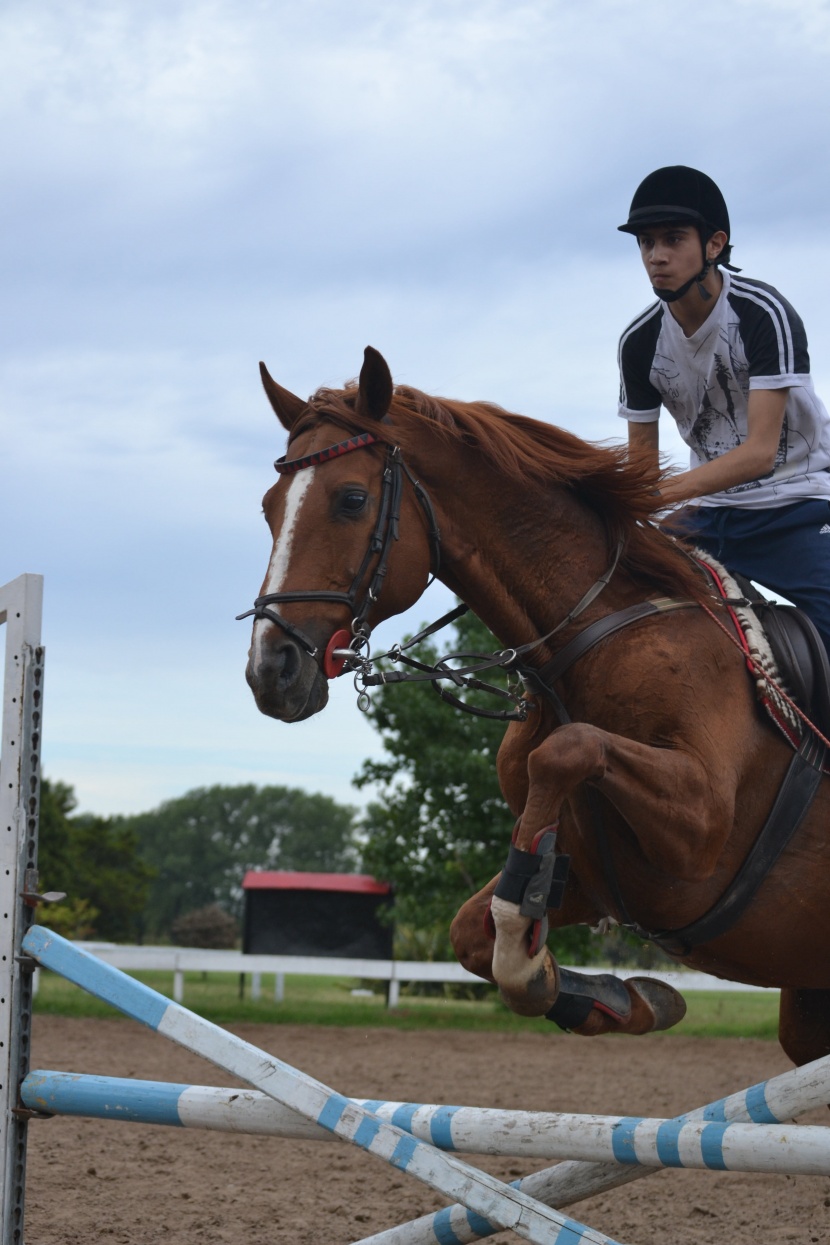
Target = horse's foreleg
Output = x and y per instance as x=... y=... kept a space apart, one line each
x=679 y=803
x=680 y=813
x=593 y=1005
x=587 y=1005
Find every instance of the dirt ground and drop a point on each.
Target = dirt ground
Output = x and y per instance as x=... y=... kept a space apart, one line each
x=92 y=1182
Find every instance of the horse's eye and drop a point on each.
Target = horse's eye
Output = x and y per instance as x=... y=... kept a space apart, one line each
x=353 y=502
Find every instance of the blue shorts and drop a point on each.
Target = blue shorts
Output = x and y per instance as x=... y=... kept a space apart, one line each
x=785 y=549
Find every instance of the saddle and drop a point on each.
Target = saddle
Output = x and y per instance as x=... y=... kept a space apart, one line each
x=798 y=650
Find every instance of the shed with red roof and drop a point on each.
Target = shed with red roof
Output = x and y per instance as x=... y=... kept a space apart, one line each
x=329 y=914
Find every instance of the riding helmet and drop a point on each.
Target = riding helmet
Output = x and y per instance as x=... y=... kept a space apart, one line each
x=677 y=193
x=674 y=194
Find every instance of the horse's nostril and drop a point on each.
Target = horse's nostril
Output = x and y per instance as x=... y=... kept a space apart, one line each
x=286 y=664
x=285 y=682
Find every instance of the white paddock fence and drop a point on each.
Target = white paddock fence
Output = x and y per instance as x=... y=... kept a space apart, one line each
x=181 y=960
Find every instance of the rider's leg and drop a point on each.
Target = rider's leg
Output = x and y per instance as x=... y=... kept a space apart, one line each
x=785 y=549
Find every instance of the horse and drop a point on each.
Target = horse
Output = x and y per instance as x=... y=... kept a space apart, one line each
x=644 y=759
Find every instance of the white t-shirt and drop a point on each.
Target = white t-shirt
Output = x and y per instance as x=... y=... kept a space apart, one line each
x=751 y=339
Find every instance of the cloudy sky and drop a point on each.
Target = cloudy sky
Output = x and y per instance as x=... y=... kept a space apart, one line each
x=193 y=185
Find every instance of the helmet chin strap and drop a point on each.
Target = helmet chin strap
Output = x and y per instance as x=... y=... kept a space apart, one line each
x=671 y=296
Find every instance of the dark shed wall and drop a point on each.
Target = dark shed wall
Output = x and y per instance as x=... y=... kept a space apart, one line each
x=306 y=922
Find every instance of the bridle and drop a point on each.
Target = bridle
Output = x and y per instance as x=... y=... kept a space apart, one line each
x=350 y=649
x=346 y=646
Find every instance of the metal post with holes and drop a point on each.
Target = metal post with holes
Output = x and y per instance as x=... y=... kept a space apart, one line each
x=20 y=618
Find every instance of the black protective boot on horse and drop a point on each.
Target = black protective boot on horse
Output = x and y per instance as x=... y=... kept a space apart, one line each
x=596 y=1003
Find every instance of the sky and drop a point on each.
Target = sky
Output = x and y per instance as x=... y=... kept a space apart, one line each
x=190 y=187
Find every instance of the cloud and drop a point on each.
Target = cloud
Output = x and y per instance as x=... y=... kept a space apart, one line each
x=197 y=185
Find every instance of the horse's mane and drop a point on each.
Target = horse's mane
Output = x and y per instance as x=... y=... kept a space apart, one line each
x=618 y=485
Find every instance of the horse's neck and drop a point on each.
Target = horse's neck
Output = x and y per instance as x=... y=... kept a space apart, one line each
x=521 y=558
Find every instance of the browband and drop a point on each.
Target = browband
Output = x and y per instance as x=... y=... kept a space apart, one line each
x=324 y=456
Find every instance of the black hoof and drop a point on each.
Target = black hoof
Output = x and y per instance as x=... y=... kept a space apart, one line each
x=668 y=1006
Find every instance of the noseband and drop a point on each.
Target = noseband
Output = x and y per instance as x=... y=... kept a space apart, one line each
x=380 y=545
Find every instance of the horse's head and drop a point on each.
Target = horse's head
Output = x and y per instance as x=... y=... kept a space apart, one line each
x=343 y=526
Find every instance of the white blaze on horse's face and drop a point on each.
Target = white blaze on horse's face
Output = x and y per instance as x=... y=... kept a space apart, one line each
x=281 y=553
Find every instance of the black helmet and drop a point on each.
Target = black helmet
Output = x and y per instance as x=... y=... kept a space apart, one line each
x=677 y=193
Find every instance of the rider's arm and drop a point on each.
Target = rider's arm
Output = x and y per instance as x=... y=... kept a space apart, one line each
x=753 y=458
x=645 y=437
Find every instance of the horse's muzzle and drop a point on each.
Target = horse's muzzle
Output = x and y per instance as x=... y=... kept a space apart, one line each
x=286 y=682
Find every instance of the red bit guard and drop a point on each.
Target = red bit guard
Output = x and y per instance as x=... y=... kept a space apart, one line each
x=333 y=666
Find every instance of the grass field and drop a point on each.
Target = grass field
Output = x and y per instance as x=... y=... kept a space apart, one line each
x=330 y=1001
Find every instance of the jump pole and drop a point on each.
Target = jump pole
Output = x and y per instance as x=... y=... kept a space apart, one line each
x=21 y=603
x=702 y=1144
x=487 y=1199
x=773 y=1101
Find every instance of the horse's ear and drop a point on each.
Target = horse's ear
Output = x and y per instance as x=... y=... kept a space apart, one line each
x=374 y=393
x=287 y=406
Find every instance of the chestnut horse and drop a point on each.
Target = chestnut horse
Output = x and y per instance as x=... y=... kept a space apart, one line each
x=663 y=744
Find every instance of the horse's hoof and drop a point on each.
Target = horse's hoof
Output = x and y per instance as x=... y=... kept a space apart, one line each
x=667 y=1005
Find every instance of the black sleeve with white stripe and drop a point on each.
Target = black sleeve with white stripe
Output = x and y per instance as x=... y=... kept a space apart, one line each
x=772 y=331
x=636 y=357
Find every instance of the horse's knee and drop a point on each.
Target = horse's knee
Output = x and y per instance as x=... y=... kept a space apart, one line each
x=571 y=754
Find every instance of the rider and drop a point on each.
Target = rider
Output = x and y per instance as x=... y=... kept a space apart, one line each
x=727 y=356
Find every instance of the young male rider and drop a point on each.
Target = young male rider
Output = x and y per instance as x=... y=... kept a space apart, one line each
x=727 y=357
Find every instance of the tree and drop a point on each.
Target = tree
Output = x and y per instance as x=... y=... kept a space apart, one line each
x=441 y=829
x=57 y=800
x=201 y=844
x=95 y=861
x=111 y=875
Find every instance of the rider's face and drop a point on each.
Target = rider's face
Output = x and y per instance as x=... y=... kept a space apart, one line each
x=671 y=254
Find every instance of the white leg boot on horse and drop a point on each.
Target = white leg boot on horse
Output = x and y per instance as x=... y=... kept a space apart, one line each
x=528 y=979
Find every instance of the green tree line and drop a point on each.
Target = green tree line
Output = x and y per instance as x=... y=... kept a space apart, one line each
x=130 y=878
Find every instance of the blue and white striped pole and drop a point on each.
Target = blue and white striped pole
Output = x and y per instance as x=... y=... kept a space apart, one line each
x=784 y=1149
x=487 y=1199
x=773 y=1101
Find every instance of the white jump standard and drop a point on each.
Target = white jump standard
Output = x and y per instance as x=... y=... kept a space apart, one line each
x=20 y=614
